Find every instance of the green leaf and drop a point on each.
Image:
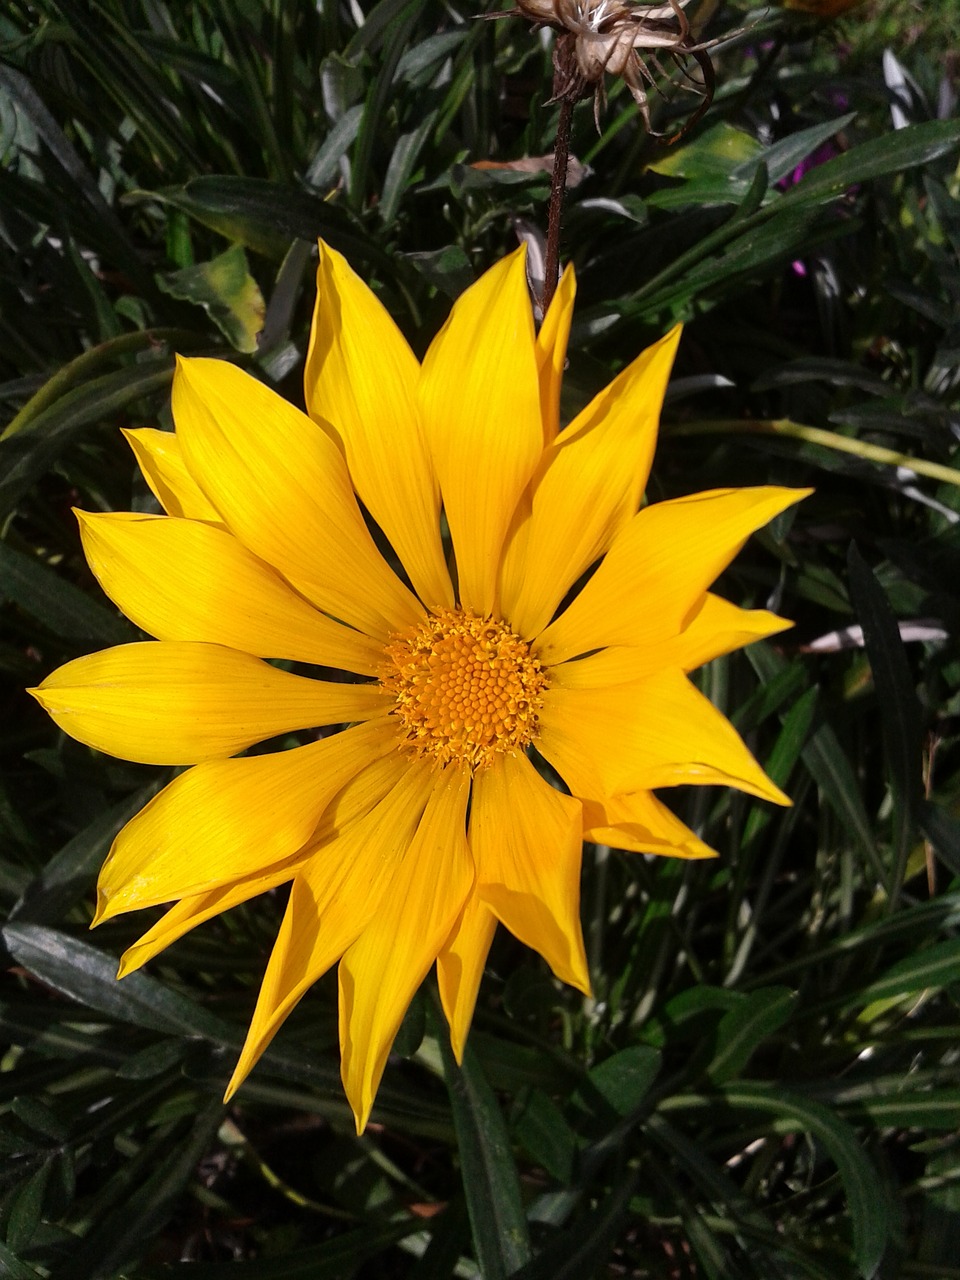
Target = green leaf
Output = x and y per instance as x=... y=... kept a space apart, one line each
x=490 y=1181
x=80 y=370
x=942 y=829
x=449 y=1240
x=12 y=1267
x=380 y=95
x=266 y=216
x=26 y=1207
x=784 y=156
x=67 y=876
x=39 y=1117
x=624 y=1080
x=123 y=1233
x=715 y=153
x=422 y=61
x=324 y=165
x=582 y=1249
x=79 y=175
x=899 y=709
x=541 y=1128
x=337 y=1259
x=26 y=456
x=780 y=763
x=405 y=156
x=706 y=1244
x=153 y=1061
x=744 y=1028
x=227 y=292
x=877 y=158
x=829 y=767
x=89 y=976
x=927 y=969
x=865 y=1196
x=768 y=1247
x=56 y=603
x=937 y=1110
x=447 y=269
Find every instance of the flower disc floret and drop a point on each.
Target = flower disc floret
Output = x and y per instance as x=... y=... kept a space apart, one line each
x=467 y=688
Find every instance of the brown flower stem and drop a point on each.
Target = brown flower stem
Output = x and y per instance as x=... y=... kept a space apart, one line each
x=558 y=186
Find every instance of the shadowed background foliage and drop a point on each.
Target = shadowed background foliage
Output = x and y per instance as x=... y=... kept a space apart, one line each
x=767 y=1081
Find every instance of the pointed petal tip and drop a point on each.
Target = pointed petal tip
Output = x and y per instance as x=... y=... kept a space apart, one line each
x=582 y=983
x=240 y=1073
x=701 y=855
x=102 y=911
x=672 y=337
x=458 y=1043
x=361 y=1112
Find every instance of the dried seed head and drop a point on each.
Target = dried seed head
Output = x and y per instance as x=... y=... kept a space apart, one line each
x=620 y=38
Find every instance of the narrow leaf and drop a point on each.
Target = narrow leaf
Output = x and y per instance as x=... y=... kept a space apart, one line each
x=943 y=831
x=582 y=1250
x=89 y=976
x=930 y=968
x=745 y=1027
x=865 y=1197
x=60 y=606
x=877 y=158
x=490 y=1180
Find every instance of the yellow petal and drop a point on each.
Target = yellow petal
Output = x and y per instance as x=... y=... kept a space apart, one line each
x=281 y=485
x=636 y=821
x=588 y=487
x=640 y=823
x=717 y=627
x=658 y=568
x=178 y=703
x=379 y=975
x=331 y=902
x=720 y=627
x=552 y=352
x=361 y=381
x=527 y=841
x=354 y=800
x=656 y=732
x=460 y=968
x=360 y=796
x=240 y=815
x=185 y=580
x=160 y=458
x=480 y=405
x=186 y=915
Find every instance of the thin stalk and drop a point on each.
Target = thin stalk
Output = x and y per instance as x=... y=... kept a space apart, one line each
x=816 y=435
x=558 y=186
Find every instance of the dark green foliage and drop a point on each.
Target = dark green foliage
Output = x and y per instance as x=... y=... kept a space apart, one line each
x=765 y=1083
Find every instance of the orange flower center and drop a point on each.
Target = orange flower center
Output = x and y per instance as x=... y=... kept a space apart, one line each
x=466 y=688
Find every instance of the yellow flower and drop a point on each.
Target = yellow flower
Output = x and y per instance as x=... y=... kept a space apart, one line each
x=410 y=833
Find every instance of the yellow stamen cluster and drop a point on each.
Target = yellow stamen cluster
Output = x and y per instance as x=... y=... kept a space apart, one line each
x=466 y=688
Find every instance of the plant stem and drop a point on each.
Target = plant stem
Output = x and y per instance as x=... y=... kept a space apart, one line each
x=558 y=185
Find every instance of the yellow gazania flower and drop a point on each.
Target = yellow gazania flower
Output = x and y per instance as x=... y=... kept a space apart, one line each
x=264 y=553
